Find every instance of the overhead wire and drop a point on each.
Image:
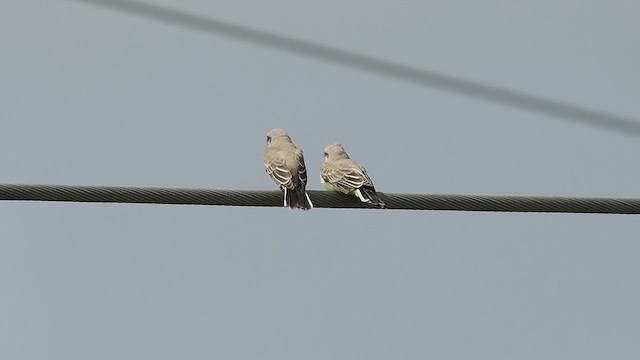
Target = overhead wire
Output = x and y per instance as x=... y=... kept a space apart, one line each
x=320 y=199
x=370 y=64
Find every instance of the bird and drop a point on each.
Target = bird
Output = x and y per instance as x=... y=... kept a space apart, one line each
x=340 y=173
x=284 y=162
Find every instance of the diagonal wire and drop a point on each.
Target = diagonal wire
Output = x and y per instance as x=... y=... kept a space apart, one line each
x=512 y=98
x=321 y=199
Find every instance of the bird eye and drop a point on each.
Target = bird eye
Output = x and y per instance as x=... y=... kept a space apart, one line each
x=268 y=139
x=325 y=154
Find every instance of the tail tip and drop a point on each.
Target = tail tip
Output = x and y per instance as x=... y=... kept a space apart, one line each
x=297 y=199
x=371 y=197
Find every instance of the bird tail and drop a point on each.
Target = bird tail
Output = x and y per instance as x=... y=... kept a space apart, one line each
x=369 y=195
x=297 y=198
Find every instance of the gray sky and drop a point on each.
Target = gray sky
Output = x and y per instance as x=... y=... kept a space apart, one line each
x=90 y=96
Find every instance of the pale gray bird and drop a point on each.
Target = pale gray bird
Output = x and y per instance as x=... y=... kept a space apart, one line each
x=284 y=163
x=340 y=173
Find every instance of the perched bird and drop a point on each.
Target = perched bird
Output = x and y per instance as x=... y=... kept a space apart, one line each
x=340 y=173
x=284 y=163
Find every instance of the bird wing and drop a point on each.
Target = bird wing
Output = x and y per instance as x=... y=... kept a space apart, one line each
x=276 y=166
x=302 y=169
x=285 y=166
x=344 y=175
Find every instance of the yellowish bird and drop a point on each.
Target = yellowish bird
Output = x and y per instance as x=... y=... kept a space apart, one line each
x=340 y=173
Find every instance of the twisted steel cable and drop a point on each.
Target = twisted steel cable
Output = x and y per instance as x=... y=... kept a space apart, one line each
x=321 y=199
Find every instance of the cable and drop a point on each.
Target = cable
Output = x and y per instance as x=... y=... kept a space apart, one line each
x=377 y=66
x=321 y=199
